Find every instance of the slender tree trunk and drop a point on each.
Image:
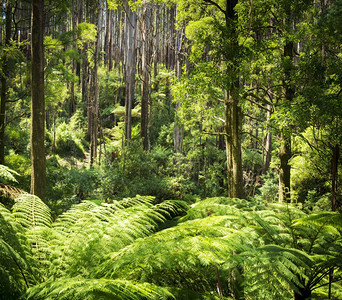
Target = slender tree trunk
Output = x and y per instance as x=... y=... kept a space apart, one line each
x=156 y=42
x=233 y=117
x=94 y=90
x=233 y=125
x=285 y=168
x=178 y=129
x=145 y=85
x=108 y=61
x=4 y=75
x=334 y=176
x=285 y=153
x=130 y=68
x=80 y=20
x=268 y=144
x=75 y=21
x=38 y=159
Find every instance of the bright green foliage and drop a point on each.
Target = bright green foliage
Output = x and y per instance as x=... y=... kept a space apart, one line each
x=31 y=212
x=18 y=265
x=70 y=138
x=93 y=289
x=121 y=251
x=7 y=174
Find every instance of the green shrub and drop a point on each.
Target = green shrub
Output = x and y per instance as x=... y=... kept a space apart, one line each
x=18 y=138
x=22 y=165
x=269 y=188
x=66 y=187
x=69 y=138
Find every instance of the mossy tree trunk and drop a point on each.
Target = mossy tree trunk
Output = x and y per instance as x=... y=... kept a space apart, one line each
x=233 y=113
x=233 y=124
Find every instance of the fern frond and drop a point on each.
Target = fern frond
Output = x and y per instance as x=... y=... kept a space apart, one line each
x=18 y=267
x=7 y=174
x=274 y=263
x=88 y=231
x=31 y=212
x=219 y=206
x=333 y=219
x=86 y=289
x=177 y=255
x=10 y=191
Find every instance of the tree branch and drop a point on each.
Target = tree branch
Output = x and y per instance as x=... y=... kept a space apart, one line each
x=215 y=133
x=245 y=95
x=210 y=2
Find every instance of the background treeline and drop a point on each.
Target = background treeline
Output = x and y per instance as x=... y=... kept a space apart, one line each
x=179 y=99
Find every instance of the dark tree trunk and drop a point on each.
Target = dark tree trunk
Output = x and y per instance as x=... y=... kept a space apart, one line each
x=334 y=176
x=285 y=168
x=4 y=67
x=285 y=137
x=233 y=125
x=302 y=295
x=38 y=159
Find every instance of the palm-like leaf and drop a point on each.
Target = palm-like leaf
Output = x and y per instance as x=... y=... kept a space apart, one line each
x=31 y=212
x=81 y=289
x=18 y=267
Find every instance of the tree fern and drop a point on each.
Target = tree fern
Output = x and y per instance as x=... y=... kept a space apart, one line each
x=18 y=267
x=129 y=250
x=184 y=256
x=7 y=175
x=31 y=212
x=88 y=231
x=320 y=243
x=87 y=289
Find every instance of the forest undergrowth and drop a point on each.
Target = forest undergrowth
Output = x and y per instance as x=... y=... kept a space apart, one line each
x=137 y=248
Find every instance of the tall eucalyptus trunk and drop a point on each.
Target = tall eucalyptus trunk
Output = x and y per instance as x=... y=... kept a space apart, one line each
x=233 y=113
x=130 y=68
x=268 y=144
x=233 y=125
x=178 y=129
x=108 y=44
x=145 y=84
x=94 y=89
x=38 y=159
x=75 y=22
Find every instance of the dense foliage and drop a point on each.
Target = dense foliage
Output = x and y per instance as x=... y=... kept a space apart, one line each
x=135 y=249
x=155 y=111
x=290 y=101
